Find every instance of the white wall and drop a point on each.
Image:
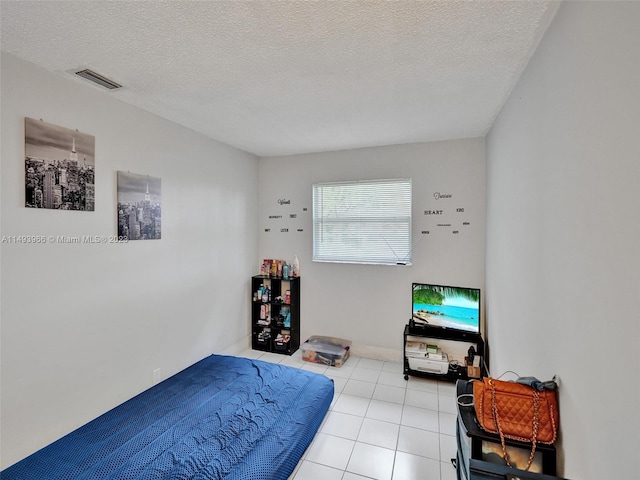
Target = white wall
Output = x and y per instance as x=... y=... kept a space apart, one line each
x=563 y=222
x=371 y=304
x=84 y=325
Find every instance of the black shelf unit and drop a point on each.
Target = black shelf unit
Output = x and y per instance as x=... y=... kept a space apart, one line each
x=455 y=372
x=480 y=453
x=265 y=337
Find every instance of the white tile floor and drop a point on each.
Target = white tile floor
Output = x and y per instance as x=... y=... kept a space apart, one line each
x=379 y=426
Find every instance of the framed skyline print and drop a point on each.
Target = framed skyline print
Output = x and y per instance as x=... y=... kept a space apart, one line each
x=59 y=167
x=139 y=206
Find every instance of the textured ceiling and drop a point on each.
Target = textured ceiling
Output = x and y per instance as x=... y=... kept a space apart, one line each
x=287 y=77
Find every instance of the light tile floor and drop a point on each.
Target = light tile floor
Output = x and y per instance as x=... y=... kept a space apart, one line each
x=379 y=426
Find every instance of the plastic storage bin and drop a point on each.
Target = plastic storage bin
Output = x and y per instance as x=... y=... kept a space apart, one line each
x=326 y=350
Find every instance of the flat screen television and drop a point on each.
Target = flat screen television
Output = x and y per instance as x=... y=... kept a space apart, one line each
x=444 y=306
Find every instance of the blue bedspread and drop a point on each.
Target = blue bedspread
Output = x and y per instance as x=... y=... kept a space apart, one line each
x=222 y=418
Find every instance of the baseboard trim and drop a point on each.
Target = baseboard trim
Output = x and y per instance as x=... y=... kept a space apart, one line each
x=237 y=348
x=357 y=349
x=376 y=353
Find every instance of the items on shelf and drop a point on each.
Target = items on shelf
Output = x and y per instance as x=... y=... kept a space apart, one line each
x=423 y=355
x=417 y=349
x=265 y=315
x=439 y=364
x=296 y=266
x=264 y=336
x=262 y=294
x=280 y=268
x=283 y=337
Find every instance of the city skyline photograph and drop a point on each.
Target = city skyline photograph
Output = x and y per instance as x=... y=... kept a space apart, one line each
x=139 y=206
x=59 y=167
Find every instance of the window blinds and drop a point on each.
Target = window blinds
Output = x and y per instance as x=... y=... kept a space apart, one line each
x=362 y=222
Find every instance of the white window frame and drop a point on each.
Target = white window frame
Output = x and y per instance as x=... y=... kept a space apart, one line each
x=364 y=222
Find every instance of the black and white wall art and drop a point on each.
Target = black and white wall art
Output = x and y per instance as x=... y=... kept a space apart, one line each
x=139 y=206
x=59 y=167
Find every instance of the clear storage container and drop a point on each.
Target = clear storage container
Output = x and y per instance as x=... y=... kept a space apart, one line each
x=329 y=351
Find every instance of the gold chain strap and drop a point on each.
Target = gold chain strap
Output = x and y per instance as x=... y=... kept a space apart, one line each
x=536 y=422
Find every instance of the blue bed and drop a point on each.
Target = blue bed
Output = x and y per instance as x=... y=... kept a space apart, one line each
x=222 y=418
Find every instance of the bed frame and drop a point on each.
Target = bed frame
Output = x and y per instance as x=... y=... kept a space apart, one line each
x=222 y=418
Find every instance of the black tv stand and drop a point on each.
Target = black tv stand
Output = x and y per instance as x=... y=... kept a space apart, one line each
x=457 y=370
x=417 y=328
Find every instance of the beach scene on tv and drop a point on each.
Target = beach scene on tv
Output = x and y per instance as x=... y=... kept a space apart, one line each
x=451 y=307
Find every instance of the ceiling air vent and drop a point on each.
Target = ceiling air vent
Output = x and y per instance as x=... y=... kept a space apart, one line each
x=99 y=79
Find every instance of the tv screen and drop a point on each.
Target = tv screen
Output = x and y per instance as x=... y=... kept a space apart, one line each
x=447 y=307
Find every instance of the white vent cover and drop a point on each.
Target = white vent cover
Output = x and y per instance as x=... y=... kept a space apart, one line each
x=98 y=79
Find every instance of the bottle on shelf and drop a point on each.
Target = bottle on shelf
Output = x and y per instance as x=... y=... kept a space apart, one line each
x=296 y=266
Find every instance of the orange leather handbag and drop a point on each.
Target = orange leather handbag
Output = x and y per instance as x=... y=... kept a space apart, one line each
x=516 y=411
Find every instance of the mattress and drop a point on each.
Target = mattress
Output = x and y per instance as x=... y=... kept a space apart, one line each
x=222 y=418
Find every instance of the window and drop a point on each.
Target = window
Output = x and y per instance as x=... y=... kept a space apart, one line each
x=362 y=222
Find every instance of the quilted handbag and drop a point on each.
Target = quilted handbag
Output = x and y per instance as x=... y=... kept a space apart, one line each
x=516 y=411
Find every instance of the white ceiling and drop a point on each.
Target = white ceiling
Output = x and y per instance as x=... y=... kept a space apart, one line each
x=288 y=77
